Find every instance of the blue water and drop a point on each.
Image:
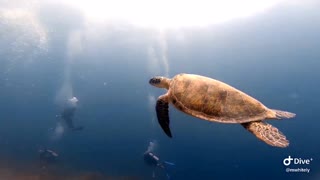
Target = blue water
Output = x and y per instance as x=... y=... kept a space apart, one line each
x=273 y=56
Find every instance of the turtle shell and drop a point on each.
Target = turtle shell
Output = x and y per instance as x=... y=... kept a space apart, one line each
x=213 y=100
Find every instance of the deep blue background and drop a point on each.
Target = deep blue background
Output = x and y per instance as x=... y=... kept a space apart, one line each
x=274 y=56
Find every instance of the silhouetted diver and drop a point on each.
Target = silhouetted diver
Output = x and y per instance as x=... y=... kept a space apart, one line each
x=47 y=155
x=152 y=160
x=68 y=114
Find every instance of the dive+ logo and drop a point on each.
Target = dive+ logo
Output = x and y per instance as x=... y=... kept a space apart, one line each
x=287 y=161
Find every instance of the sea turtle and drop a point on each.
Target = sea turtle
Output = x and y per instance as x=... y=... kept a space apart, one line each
x=213 y=100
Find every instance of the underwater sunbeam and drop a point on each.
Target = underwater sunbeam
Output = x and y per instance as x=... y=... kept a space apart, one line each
x=157 y=55
x=166 y=14
x=65 y=92
x=58 y=132
x=152 y=102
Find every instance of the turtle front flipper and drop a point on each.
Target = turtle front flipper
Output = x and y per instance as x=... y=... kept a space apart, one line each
x=162 y=109
x=267 y=133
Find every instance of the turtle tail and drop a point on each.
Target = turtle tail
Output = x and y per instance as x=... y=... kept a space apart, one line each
x=283 y=114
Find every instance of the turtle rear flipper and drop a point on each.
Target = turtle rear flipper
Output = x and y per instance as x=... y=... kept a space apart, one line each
x=267 y=133
x=162 y=109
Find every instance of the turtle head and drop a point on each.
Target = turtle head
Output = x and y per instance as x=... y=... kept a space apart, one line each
x=160 y=82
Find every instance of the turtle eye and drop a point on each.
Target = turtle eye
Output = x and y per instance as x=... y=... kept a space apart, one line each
x=154 y=81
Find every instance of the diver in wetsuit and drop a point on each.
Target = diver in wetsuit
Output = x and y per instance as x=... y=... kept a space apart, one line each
x=152 y=160
x=68 y=114
x=47 y=157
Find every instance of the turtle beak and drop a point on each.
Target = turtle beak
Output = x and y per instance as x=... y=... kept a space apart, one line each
x=154 y=81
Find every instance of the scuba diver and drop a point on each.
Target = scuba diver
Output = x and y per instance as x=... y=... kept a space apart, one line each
x=47 y=158
x=67 y=115
x=47 y=155
x=152 y=160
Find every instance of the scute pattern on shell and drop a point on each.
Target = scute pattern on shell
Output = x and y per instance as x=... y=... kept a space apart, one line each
x=214 y=100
